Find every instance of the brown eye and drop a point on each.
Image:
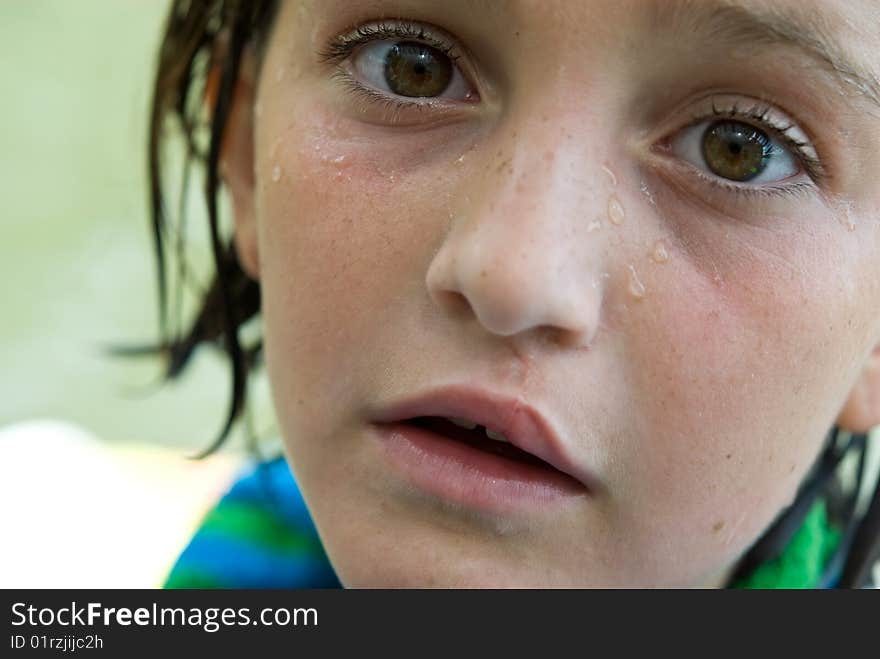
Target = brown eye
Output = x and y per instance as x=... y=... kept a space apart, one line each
x=414 y=69
x=736 y=151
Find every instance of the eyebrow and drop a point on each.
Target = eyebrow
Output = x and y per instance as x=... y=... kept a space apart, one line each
x=737 y=24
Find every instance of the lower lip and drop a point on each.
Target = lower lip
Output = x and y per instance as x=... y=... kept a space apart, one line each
x=454 y=471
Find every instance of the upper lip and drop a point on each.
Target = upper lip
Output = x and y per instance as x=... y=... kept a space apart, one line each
x=521 y=424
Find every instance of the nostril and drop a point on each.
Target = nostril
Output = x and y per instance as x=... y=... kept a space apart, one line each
x=452 y=301
x=574 y=339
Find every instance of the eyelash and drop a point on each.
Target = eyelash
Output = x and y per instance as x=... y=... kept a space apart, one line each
x=344 y=45
x=757 y=116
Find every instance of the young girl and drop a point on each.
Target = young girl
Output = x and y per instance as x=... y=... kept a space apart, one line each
x=553 y=293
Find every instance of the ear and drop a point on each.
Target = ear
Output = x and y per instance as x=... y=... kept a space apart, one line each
x=861 y=412
x=236 y=165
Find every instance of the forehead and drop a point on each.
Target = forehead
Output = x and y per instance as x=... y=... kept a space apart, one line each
x=841 y=35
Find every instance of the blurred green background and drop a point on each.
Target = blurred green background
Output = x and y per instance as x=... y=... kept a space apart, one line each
x=77 y=264
x=95 y=484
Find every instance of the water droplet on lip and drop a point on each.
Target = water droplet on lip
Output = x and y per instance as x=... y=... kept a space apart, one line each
x=660 y=254
x=636 y=287
x=339 y=160
x=615 y=211
x=276 y=174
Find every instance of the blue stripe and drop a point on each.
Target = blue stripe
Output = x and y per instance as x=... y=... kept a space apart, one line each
x=238 y=563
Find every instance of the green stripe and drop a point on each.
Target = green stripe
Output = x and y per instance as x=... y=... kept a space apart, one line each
x=186 y=577
x=258 y=526
x=804 y=559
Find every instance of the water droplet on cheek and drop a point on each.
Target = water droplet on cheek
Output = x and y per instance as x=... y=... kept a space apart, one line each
x=279 y=74
x=660 y=253
x=610 y=174
x=845 y=213
x=595 y=225
x=646 y=191
x=615 y=211
x=276 y=174
x=273 y=150
x=636 y=287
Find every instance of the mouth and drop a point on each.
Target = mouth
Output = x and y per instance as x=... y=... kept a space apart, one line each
x=480 y=451
x=478 y=437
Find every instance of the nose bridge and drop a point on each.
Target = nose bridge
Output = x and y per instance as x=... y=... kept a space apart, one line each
x=523 y=254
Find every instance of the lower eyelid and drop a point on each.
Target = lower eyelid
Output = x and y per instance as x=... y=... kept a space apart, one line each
x=439 y=106
x=794 y=186
x=394 y=112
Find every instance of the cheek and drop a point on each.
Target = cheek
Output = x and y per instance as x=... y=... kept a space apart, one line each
x=739 y=364
x=346 y=232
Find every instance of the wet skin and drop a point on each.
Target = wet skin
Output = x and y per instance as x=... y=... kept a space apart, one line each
x=550 y=236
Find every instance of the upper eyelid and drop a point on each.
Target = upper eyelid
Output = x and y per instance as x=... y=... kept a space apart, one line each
x=757 y=114
x=342 y=45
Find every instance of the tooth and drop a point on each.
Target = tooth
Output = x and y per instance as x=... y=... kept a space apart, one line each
x=464 y=423
x=492 y=434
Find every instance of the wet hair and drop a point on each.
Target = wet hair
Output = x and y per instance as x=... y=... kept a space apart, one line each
x=203 y=35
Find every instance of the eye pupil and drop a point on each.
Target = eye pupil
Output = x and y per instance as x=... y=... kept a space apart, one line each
x=414 y=69
x=734 y=150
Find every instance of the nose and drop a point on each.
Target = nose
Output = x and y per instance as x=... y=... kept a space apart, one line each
x=524 y=256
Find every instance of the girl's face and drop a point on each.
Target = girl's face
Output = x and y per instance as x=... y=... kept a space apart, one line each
x=654 y=223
